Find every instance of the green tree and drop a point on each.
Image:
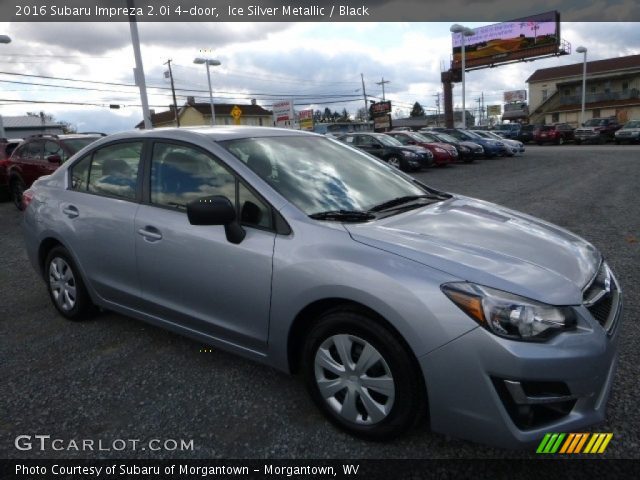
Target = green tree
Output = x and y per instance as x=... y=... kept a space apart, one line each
x=417 y=110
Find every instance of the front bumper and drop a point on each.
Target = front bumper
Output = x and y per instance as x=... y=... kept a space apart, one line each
x=466 y=382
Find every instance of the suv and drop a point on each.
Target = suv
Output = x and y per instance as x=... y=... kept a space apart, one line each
x=557 y=133
x=630 y=132
x=597 y=130
x=41 y=155
x=526 y=133
x=7 y=146
x=510 y=130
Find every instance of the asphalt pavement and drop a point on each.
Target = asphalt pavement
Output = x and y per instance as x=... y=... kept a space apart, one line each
x=115 y=378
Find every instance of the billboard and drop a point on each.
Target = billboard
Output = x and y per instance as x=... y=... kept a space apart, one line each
x=527 y=37
x=494 y=110
x=283 y=113
x=515 y=96
x=306 y=120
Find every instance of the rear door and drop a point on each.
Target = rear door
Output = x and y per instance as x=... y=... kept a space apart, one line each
x=31 y=162
x=191 y=275
x=98 y=211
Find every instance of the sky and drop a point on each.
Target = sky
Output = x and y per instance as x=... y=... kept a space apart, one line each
x=314 y=62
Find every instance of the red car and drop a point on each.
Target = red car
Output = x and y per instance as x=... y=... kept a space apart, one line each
x=40 y=155
x=6 y=149
x=443 y=153
x=557 y=133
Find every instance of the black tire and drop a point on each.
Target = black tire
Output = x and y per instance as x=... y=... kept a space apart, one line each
x=398 y=162
x=82 y=307
x=578 y=142
x=409 y=402
x=560 y=141
x=617 y=142
x=17 y=188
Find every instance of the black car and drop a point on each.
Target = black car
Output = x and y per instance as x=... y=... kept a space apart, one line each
x=404 y=157
x=468 y=151
x=526 y=133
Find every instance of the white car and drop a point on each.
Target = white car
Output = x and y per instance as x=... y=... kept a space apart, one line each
x=514 y=147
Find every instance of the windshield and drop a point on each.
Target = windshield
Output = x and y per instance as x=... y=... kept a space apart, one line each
x=445 y=138
x=76 y=144
x=632 y=124
x=595 y=122
x=468 y=134
x=318 y=175
x=482 y=134
x=425 y=137
x=388 y=141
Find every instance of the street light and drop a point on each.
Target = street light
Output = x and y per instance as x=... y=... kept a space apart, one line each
x=5 y=39
x=584 y=80
x=466 y=32
x=215 y=63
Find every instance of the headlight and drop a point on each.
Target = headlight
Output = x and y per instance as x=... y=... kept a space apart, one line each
x=440 y=150
x=409 y=154
x=508 y=315
x=462 y=148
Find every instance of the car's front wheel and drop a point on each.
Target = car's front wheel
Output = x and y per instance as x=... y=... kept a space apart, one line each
x=362 y=377
x=395 y=162
x=65 y=285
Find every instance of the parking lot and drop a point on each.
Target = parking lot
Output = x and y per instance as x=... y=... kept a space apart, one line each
x=116 y=378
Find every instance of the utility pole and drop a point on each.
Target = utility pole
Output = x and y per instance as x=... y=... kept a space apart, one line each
x=173 y=92
x=139 y=70
x=437 y=95
x=482 y=114
x=382 y=83
x=364 y=95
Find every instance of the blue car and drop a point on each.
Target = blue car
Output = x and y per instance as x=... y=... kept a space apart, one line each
x=492 y=148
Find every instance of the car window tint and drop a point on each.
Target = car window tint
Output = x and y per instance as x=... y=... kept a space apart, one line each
x=114 y=170
x=80 y=174
x=180 y=174
x=54 y=148
x=34 y=150
x=253 y=211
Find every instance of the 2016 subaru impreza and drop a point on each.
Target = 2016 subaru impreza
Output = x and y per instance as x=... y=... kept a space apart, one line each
x=394 y=300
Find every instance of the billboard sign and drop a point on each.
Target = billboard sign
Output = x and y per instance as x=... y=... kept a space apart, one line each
x=381 y=108
x=527 y=37
x=283 y=113
x=494 y=110
x=515 y=96
x=306 y=120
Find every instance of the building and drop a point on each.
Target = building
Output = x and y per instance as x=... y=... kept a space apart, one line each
x=26 y=125
x=195 y=114
x=613 y=86
x=436 y=120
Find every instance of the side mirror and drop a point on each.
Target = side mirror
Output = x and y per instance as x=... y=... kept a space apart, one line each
x=216 y=210
x=55 y=158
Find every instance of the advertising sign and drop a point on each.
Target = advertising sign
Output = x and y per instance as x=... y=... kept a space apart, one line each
x=283 y=113
x=494 y=110
x=306 y=120
x=515 y=96
x=527 y=37
x=380 y=108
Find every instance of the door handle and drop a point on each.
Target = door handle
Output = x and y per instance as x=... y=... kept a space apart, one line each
x=150 y=233
x=70 y=211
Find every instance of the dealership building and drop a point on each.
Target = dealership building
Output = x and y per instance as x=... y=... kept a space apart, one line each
x=612 y=89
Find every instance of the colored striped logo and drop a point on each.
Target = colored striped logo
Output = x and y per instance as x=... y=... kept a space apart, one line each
x=574 y=443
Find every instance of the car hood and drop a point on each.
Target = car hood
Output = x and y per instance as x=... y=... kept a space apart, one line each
x=490 y=245
x=469 y=144
x=629 y=130
x=412 y=148
x=444 y=146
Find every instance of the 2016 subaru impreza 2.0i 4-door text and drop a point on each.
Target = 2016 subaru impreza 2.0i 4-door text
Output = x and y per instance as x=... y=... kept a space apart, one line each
x=395 y=301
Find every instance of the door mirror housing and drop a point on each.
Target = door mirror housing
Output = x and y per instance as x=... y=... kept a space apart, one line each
x=216 y=210
x=55 y=158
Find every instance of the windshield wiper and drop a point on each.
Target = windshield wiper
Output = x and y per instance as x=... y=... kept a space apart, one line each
x=343 y=215
x=394 y=202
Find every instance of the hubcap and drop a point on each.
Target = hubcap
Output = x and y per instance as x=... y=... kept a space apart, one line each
x=354 y=379
x=394 y=162
x=62 y=283
x=17 y=194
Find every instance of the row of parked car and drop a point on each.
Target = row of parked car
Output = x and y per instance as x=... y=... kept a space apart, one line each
x=409 y=150
x=23 y=161
x=595 y=130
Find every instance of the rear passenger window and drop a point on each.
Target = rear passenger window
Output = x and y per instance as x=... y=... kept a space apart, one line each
x=111 y=171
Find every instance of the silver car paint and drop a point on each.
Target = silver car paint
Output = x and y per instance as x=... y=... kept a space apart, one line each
x=394 y=266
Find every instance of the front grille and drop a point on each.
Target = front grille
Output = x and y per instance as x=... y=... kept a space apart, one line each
x=602 y=298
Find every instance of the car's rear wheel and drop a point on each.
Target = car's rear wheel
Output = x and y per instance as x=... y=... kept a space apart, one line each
x=362 y=377
x=17 y=188
x=65 y=285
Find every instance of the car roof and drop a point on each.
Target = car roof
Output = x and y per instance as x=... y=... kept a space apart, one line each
x=217 y=134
